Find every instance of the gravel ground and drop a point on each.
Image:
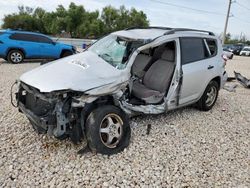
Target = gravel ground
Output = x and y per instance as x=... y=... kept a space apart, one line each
x=185 y=148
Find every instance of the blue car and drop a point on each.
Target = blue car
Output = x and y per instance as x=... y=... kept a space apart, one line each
x=15 y=46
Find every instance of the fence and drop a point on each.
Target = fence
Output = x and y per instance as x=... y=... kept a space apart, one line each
x=75 y=42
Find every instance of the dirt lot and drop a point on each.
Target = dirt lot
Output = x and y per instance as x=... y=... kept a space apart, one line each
x=185 y=148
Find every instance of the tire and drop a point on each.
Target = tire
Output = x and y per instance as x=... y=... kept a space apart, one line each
x=66 y=53
x=205 y=104
x=15 y=56
x=108 y=122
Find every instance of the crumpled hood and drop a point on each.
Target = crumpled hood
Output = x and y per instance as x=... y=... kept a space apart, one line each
x=80 y=72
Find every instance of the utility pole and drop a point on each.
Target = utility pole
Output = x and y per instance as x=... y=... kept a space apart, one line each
x=225 y=28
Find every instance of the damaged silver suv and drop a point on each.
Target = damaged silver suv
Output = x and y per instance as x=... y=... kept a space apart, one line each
x=90 y=96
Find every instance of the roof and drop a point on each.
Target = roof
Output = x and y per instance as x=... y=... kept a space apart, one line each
x=20 y=31
x=144 y=34
x=152 y=33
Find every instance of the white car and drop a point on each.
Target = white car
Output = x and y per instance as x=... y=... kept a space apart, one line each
x=152 y=70
x=245 y=51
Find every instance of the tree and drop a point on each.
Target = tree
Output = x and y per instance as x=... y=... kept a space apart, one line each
x=75 y=20
x=117 y=19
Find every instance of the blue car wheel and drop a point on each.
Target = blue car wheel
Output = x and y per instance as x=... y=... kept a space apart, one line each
x=15 y=56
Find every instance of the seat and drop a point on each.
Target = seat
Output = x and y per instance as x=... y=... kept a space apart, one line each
x=156 y=80
x=139 y=65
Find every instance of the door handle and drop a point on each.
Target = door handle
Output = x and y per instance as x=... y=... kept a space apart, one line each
x=210 y=67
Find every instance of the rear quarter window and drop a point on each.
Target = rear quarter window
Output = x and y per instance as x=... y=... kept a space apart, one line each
x=212 y=46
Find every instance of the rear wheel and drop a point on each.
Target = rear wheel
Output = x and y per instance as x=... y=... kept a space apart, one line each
x=15 y=56
x=209 y=96
x=107 y=130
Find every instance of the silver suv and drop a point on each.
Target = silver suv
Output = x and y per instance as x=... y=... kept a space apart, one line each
x=90 y=96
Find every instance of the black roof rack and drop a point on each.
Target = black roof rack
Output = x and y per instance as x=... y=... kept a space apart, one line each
x=172 y=31
x=152 y=27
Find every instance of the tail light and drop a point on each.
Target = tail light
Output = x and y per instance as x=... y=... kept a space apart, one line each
x=225 y=58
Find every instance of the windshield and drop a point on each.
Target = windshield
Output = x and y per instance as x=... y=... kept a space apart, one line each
x=115 y=50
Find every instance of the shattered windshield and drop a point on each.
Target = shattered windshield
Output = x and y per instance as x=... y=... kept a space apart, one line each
x=115 y=50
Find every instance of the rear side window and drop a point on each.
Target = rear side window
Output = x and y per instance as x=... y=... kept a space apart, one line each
x=192 y=49
x=212 y=46
x=30 y=38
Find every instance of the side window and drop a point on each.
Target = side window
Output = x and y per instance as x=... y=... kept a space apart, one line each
x=192 y=49
x=17 y=36
x=212 y=46
x=43 y=39
x=30 y=38
x=24 y=37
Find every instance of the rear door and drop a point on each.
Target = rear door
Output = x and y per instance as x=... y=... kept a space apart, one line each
x=27 y=42
x=196 y=68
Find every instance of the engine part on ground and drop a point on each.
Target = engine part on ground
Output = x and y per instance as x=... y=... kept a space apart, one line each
x=229 y=79
x=148 y=128
x=242 y=80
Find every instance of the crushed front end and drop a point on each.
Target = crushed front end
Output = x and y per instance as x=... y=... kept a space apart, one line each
x=51 y=113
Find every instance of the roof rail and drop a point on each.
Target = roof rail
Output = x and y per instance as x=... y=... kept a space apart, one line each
x=172 y=31
x=151 y=27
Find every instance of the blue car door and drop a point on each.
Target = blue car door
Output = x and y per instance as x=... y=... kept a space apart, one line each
x=26 y=42
x=48 y=48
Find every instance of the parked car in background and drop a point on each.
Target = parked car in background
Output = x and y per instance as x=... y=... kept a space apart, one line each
x=234 y=48
x=15 y=46
x=91 y=95
x=245 y=51
x=237 y=48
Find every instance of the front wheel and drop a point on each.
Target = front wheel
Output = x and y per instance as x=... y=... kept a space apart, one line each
x=209 y=96
x=107 y=130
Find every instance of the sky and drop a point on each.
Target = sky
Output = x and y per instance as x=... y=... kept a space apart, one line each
x=161 y=13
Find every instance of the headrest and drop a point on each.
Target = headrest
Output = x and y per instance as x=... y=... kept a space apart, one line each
x=168 y=55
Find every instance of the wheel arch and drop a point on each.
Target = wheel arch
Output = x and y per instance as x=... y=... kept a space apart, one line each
x=15 y=48
x=218 y=80
x=101 y=101
x=65 y=50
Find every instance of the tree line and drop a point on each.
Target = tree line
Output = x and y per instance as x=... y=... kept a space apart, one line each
x=75 y=20
x=236 y=40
